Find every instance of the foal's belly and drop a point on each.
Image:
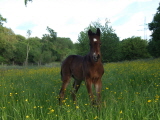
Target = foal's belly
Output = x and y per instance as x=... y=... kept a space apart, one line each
x=77 y=76
x=76 y=68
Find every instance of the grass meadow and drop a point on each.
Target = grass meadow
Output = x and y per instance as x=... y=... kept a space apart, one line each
x=131 y=91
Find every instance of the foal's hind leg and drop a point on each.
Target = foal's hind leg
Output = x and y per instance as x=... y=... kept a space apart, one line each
x=76 y=86
x=65 y=81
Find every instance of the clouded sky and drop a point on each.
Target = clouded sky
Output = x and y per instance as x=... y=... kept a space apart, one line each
x=69 y=17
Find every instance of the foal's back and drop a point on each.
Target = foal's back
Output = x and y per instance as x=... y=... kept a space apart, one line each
x=72 y=67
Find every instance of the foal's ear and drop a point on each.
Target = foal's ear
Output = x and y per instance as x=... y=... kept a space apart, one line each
x=98 y=32
x=90 y=32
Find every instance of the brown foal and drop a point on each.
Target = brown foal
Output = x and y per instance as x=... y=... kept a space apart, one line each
x=88 y=68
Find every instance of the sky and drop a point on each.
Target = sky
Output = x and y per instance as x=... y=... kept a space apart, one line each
x=69 y=17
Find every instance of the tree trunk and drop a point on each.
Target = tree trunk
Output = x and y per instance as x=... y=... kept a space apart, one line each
x=28 y=49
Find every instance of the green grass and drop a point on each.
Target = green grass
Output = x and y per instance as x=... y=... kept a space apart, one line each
x=131 y=91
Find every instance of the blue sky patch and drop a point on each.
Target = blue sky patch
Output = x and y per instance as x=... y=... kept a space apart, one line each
x=26 y=26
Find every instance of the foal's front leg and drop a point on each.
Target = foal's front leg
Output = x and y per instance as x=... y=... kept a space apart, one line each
x=89 y=89
x=98 y=87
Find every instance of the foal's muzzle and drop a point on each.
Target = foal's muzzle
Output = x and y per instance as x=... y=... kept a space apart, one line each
x=96 y=57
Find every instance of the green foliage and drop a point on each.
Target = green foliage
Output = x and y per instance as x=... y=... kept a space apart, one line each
x=52 y=36
x=111 y=48
x=154 y=43
x=7 y=40
x=153 y=48
x=134 y=48
x=48 y=51
x=20 y=52
x=59 y=47
x=52 y=33
x=7 y=34
x=14 y=48
x=47 y=57
x=2 y=20
x=48 y=46
x=64 y=47
x=110 y=45
x=35 y=50
x=2 y=60
x=109 y=40
x=20 y=38
x=82 y=47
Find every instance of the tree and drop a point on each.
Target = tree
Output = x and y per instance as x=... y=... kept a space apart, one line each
x=34 y=55
x=26 y=1
x=6 y=51
x=64 y=47
x=110 y=44
x=154 y=43
x=52 y=36
x=20 y=52
x=18 y=49
x=2 y=59
x=20 y=38
x=134 y=48
x=2 y=20
x=7 y=34
x=7 y=41
x=29 y=32
x=28 y=47
x=52 y=33
x=82 y=47
x=109 y=40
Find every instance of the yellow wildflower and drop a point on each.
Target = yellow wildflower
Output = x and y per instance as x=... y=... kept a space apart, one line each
x=121 y=112
x=157 y=96
x=11 y=94
x=51 y=110
x=96 y=117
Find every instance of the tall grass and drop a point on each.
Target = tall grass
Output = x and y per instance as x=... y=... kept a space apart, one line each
x=131 y=91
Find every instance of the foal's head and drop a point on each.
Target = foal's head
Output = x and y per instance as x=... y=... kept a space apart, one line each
x=95 y=43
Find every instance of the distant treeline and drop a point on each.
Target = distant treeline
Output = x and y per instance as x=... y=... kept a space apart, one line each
x=112 y=48
x=16 y=49
x=20 y=50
